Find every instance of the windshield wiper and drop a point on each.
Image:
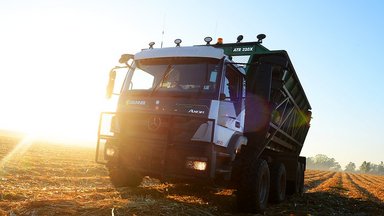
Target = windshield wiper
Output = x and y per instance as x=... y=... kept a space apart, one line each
x=166 y=73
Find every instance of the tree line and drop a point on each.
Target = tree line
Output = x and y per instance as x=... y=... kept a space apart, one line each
x=323 y=162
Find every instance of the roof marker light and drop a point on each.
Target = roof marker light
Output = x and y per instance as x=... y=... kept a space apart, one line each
x=178 y=42
x=208 y=40
x=239 y=38
x=219 y=41
x=151 y=45
x=260 y=38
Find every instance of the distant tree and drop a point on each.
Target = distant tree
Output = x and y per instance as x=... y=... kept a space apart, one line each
x=365 y=167
x=336 y=167
x=310 y=163
x=381 y=168
x=350 y=167
x=322 y=162
x=374 y=168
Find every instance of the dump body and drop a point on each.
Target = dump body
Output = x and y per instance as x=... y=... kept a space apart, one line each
x=275 y=93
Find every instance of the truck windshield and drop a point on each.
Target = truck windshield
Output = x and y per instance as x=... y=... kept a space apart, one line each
x=174 y=76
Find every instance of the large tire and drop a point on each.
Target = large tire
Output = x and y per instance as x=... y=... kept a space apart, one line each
x=300 y=185
x=121 y=177
x=278 y=183
x=297 y=186
x=253 y=189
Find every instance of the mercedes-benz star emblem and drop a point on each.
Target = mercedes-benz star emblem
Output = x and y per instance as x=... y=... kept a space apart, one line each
x=154 y=123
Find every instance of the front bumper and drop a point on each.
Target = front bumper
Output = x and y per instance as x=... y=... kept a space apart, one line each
x=170 y=151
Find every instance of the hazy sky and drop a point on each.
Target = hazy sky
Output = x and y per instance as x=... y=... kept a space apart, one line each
x=55 y=57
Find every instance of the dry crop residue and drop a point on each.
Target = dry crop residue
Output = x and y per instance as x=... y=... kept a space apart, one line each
x=49 y=179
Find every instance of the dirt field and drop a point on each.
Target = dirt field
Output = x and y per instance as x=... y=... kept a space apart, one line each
x=48 y=179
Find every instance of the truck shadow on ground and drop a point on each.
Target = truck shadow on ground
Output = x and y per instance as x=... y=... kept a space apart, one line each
x=181 y=199
x=191 y=199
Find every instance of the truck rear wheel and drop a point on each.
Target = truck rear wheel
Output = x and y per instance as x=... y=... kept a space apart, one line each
x=300 y=182
x=297 y=186
x=253 y=189
x=278 y=183
x=121 y=177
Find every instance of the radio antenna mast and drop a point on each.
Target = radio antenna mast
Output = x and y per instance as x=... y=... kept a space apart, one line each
x=162 y=33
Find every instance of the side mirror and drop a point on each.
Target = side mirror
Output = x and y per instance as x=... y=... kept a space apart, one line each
x=111 y=83
x=125 y=58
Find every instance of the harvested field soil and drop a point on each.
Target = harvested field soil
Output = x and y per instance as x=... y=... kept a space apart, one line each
x=38 y=178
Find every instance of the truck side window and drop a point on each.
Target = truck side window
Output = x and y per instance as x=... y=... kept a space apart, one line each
x=141 y=80
x=232 y=85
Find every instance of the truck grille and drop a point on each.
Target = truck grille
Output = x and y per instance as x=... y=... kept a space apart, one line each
x=159 y=143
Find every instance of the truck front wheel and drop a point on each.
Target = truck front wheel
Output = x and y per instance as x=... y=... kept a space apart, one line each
x=121 y=177
x=253 y=188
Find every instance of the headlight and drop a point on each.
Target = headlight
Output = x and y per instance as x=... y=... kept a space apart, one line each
x=110 y=152
x=196 y=163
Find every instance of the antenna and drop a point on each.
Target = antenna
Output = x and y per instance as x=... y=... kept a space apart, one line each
x=162 y=33
x=162 y=38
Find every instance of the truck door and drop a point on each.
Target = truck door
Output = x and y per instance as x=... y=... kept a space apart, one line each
x=231 y=108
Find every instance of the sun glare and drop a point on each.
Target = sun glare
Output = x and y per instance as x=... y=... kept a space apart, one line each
x=52 y=82
x=59 y=123
x=18 y=151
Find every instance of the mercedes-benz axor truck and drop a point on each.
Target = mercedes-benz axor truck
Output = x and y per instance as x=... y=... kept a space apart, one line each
x=233 y=114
